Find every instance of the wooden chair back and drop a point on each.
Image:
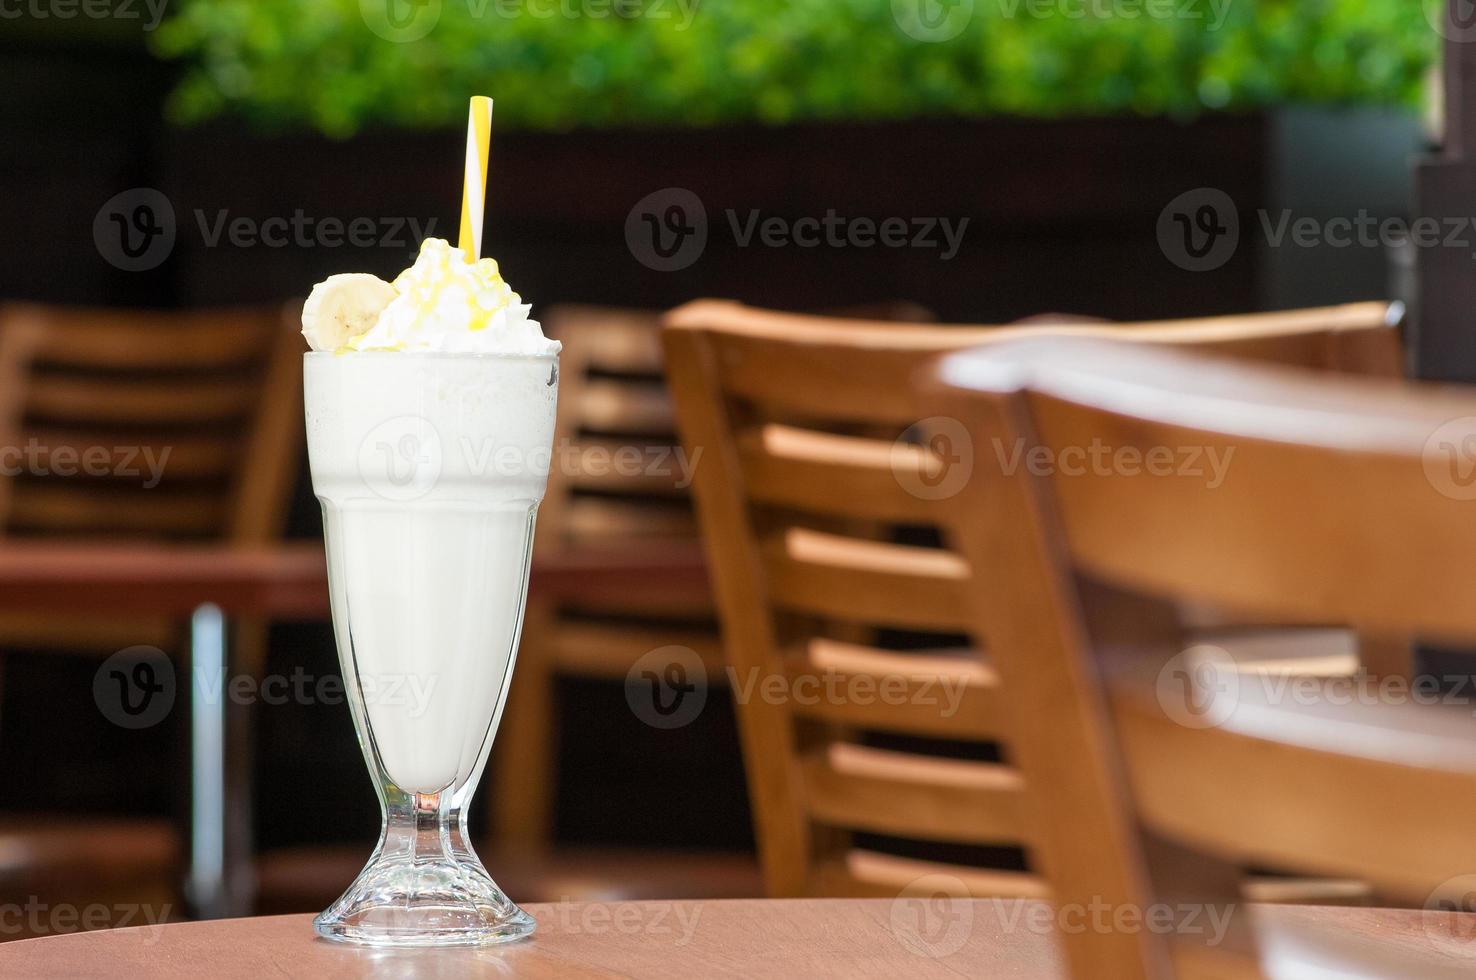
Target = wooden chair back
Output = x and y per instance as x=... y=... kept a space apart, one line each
x=620 y=480
x=616 y=482
x=133 y=424
x=1151 y=768
x=615 y=479
x=148 y=424
x=819 y=502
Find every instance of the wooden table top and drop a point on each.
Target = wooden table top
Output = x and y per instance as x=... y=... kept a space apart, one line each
x=748 y=939
x=288 y=581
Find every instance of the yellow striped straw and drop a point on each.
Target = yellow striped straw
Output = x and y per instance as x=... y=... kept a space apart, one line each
x=474 y=192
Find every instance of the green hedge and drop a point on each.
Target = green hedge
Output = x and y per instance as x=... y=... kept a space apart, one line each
x=318 y=62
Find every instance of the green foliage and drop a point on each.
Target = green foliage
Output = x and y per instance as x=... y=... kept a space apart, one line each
x=554 y=64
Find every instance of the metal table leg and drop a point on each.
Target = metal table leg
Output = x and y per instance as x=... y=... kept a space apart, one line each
x=219 y=883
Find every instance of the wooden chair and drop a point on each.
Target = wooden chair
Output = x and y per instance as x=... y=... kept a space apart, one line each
x=1149 y=768
x=134 y=425
x=613 y=399
x=802 y=484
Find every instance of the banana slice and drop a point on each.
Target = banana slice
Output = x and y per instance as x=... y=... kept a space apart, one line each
x=342 y=307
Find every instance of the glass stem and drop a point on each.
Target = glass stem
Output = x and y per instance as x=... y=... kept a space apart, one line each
x=417 y=829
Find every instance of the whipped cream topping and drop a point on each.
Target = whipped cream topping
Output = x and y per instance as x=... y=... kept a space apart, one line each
x=445 y=304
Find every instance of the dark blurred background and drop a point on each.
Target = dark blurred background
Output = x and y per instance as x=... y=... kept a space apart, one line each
x=274 y=142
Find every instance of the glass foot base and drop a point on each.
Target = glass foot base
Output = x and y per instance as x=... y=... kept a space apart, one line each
x=447 y=903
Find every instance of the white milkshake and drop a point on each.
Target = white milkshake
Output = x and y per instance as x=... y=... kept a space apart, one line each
x=430 y=468
x=430 y=418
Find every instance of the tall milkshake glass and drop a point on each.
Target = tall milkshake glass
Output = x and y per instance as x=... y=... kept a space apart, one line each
x=430 y=468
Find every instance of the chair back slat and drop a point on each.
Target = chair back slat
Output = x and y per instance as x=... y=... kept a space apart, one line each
x=862 y=371
x=945 y=694
x=190 y=456
x=612 y=340
x=604 y=519
x=823 y=473
x=120 y=340
x=623 y=406
x=857 y=580
x=92 y=400
x=902 y=795
x=38 y=512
